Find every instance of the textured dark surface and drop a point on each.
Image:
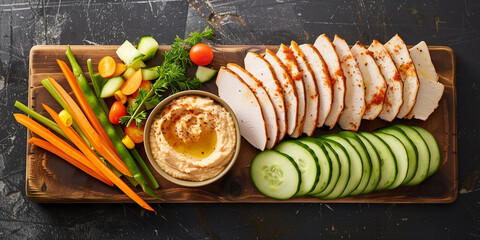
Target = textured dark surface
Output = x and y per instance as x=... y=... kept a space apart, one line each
x=27 y=23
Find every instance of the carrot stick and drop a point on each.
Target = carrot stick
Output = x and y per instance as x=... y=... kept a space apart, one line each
x=51 y=148
x=109 y=154
x=95 y=160
x=53 y=139
x=83 y=102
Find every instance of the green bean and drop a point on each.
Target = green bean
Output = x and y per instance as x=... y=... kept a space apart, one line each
x=37 y=116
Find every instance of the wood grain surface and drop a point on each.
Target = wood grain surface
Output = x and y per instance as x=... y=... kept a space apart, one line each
x=50 y=179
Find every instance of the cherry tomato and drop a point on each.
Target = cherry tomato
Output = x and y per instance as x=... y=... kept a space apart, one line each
x=145 y=85
x=135 y=133
x=117 y=111
x=201 y=54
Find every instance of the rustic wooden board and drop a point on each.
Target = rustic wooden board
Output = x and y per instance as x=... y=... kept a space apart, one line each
x=50 y=179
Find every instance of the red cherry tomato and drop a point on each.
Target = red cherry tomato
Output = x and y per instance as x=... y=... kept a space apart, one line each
x=117 y=111
x=201 y=54
x=135 y=133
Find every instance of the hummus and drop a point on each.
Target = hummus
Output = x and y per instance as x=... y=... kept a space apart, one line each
x=193 y=138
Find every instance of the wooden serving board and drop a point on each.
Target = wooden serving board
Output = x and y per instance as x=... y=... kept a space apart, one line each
x=50 y=179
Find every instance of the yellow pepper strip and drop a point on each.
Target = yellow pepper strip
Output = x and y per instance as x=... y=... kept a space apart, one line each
x=119 y=96
x=66 y=118
x=127 y=141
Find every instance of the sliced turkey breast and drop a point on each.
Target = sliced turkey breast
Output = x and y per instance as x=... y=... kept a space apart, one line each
x=430 y=91
x=238 y=95
x=322 y=78
x=311 y=91
x=268 y=110
x=375 y=86
x=394 y=95
x=263 y=71
x=337 y=78
x=288 y=59
x=401 y=57
x=288 y=87
x=354 y=86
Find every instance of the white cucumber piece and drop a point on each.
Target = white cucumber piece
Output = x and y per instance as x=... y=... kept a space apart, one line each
x=205 y=74
x=401 y=157
x=275 y=174
x=306 y=161
x=148 y=46
x=137 y=64
x=150 y=73
x=111 y=86
x=128 y=53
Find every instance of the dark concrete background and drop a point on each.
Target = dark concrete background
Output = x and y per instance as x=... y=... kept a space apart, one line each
x=24 y=24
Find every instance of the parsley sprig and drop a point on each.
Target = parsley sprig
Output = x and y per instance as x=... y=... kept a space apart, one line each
x=171 y=77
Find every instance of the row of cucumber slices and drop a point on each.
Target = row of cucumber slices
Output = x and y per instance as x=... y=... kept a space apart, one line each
x=347 y=164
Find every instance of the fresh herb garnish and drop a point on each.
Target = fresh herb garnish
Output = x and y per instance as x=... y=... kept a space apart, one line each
x=171 y=77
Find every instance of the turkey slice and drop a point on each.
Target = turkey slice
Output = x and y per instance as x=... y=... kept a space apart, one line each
x=237 y=94
x=430 y=91
x=394 y=95
x=263 y=71
x=354 y=86
x=311 y=92
x=288 y=87
x=288 y=58
x=322 y=78
x=326 y=49
x=401 y=57
x=268 y=110
x=374 y=82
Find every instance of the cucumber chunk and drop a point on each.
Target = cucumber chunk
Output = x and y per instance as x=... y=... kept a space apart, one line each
x=366 y=162
x=335 y=189
x=423 y=163
x=401 y=157
x=306 y=161
x=148 y=46
x=432 y=147
x=356 y=166
x=128 y=73
x=335 y=170
x=323 y=162
x=137 y=64
x=275 y=174
x=412 y=151
x=128 y=53
x=388 y=166
x=150 y=73
x=375 y=160
x=111 y=86
x=205 y=74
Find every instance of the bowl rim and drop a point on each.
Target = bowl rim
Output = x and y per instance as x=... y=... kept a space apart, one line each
x=154 y=113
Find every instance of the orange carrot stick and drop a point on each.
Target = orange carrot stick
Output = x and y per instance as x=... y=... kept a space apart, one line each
x=53 y=139
x=51 y=148
x=109 y=154
x=83 y=102
x=75 y=138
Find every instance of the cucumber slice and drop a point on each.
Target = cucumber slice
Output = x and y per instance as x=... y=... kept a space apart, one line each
x=275 y=174
x=205 y=74
x=375 y=160
x=388 y=166
x=432 y=147
x=111 y=86
x=323 y=162
x=401 y=157
x=423 y=163
x=128 y=73
x=412 y=151
x=150 y=73
x=128 y=53
x=137 y=64
x=356 y=168
x=366 y=162
x=148 y=47
x=306 y=161
x=336 y=188
x=335 y=170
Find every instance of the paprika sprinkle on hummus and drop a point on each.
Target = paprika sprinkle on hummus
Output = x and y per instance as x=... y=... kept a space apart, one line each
x=193 y=138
